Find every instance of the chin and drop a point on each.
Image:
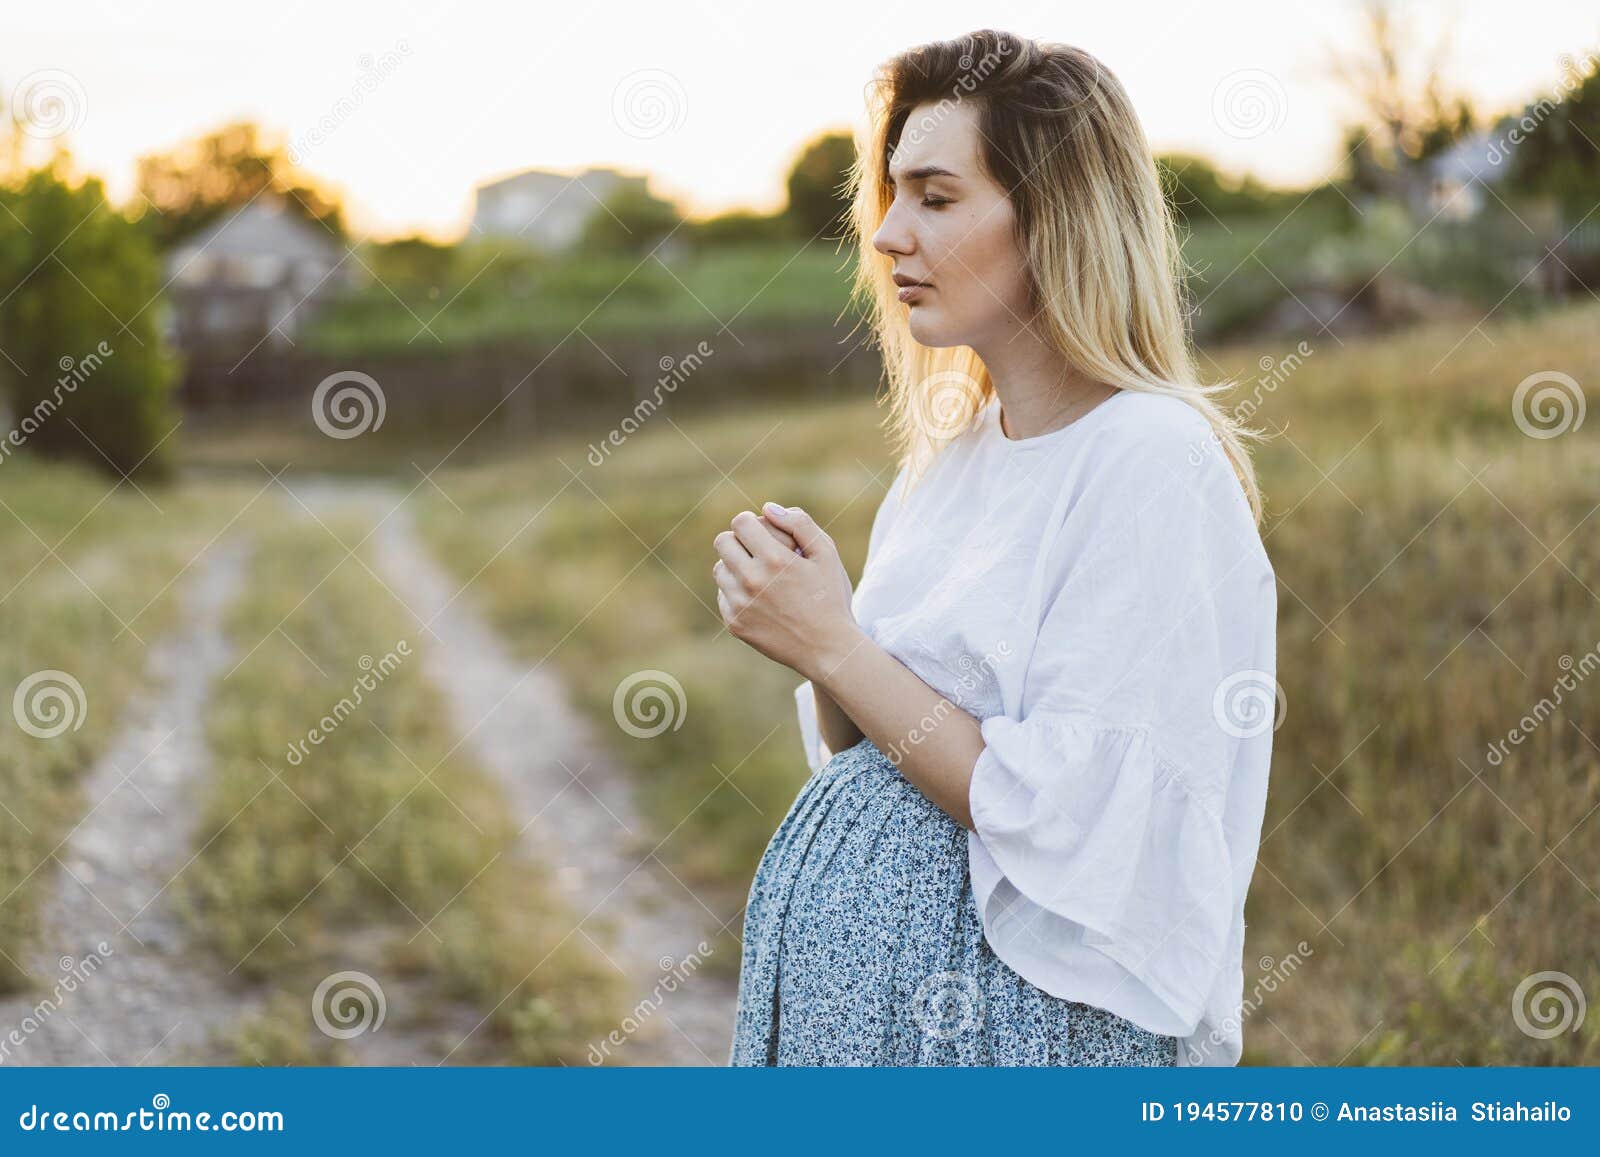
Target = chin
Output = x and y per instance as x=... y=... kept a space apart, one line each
x=928 y=330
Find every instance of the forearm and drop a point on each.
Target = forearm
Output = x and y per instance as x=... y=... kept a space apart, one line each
x=838 y=730
x=934 y=743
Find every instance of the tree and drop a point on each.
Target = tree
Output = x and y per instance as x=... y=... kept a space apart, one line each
x=198 y=182
x=817 y=201
x=632 y=220
x=1200 y=192
x=86 y=372
x=1555 y=143
x=1407 y=113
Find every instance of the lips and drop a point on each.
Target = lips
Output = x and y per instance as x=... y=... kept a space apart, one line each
x=910 y=288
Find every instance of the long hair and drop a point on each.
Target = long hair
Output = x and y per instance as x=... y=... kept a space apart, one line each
x=1101 y=248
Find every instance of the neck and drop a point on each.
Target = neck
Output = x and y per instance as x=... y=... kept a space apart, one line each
x=1038 y=390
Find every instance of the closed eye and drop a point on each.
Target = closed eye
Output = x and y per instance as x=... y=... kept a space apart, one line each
x=935 y=202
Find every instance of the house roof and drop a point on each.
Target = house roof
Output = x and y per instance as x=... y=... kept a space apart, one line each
x=265 y=225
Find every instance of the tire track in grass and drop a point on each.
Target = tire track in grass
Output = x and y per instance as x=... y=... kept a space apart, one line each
x=574 y=804
x=115 y=985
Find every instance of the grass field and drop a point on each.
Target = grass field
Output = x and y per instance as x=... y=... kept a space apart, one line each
x=1438 y=573
x=1435 y=562
x=89 y=573
x=379 y=847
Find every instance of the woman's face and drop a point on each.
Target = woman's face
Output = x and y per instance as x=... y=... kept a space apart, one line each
x=950 y=226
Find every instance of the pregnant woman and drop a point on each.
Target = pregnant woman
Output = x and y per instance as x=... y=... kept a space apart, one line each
x=1039 y=728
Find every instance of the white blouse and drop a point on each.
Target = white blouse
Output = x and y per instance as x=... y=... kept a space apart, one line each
x=1099 y=599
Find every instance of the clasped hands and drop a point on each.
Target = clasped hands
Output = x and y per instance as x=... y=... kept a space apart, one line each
x=782 y=589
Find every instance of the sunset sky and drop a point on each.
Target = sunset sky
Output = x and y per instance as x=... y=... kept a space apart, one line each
x=712 y=100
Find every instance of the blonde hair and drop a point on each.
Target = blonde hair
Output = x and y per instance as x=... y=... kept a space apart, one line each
x=1104 y=263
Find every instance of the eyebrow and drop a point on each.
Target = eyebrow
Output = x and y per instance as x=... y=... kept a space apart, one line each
x=922 y=173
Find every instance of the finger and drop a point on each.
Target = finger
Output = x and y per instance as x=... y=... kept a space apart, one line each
x=780 y=534
x=757 y=539
x=727 y=582
x=733 y=553
x=810 y=537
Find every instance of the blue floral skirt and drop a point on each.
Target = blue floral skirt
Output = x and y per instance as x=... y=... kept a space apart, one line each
x=863 y=945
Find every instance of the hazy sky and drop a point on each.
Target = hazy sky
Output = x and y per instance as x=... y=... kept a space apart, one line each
x=713 y=100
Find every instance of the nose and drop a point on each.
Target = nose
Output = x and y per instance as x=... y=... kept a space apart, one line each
x=893 y=238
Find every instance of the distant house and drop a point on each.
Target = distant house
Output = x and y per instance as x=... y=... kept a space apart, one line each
x=1451 y=184
x=261 y=272
x=547 y=210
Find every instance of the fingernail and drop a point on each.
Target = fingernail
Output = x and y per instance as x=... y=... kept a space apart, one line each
x=773 y=508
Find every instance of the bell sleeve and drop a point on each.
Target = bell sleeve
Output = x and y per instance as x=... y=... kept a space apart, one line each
x=805 y=696
x=1117 y=809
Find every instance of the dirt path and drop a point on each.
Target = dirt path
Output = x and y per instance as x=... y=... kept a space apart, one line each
x=576 y=805
x=113 y=945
